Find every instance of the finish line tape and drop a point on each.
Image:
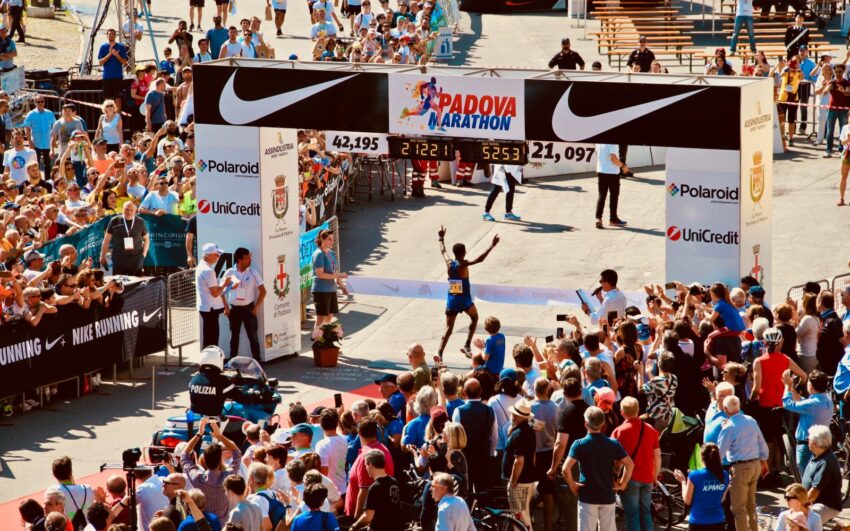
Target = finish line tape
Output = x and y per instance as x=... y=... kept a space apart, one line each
x=490 y=293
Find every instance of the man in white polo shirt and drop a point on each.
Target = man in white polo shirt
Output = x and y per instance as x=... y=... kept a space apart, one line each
x=210 y=293
x=245 y=297
x=608 y=170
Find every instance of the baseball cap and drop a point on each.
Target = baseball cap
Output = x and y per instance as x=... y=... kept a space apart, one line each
x=293 y=57
x=565 y=40
x=29 y=256
x=391 y=378
x=758 y=291
x=803 y=47
x=642 y=38
x=508 y=374
x=439 y=411
x=317 y=411
x=11 y=205
x=606 y=394
x=99 y=141
x=3 y=27
x=211 y=248
x=643 y=332
x=302 y=428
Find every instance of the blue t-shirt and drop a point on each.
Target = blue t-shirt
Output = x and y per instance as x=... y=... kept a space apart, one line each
x=495 y=348
x=315 y=521
x=327 y=261
x=397 y=402
x=189 y=523
x=706 y=507
x=41 y=125
x=112 y=68
x=451 y=405
x=414 y=432
x=217 y=37
x=167 y=66
x=156 y=103
x=596 y=454
x=730 y=316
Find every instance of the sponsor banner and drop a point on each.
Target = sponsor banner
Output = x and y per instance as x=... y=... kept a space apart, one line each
x=702 y=198
x=510 y=6
x=281 y=314
x=492 y=293
x=455 y=106
x=306 y=249
x=614 y=113
x=13 y=80
x=77 y=340
x=756 y=181
x=167 y=235
x=228 y=197
x=284 y=97
x=348 y=142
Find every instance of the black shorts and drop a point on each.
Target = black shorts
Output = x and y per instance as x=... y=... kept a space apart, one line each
x=222 y=2
x=771 y=422
x=353 y=11
x=789 y=111
x=280 y=11
x=196 y=3
x=542 y=463
x=326 y=303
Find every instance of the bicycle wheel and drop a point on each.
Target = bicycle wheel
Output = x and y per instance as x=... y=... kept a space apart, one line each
x=791 y=456
x=504 y=522
x=662 y=511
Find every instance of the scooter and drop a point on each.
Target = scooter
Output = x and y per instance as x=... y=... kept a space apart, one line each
x=246 y=373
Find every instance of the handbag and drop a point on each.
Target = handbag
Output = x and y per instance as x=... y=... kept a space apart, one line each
x=269 y=12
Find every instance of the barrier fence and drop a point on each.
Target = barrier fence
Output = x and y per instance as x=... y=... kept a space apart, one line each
x=836 y=285
x=183 y=328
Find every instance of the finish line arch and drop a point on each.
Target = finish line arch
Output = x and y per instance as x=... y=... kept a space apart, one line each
x=718 y=132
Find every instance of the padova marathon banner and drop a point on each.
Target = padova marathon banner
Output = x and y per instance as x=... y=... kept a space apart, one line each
x=76 y=340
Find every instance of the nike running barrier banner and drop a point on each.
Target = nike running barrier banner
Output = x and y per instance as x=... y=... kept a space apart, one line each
x=78 y=340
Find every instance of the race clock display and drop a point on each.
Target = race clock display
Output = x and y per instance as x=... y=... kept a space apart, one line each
x=420 y=148
x=497 y=152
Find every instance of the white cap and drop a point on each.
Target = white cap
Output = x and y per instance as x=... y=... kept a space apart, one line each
x=211 y=248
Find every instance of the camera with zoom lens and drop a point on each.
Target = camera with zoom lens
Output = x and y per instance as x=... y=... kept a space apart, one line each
x=130 y=457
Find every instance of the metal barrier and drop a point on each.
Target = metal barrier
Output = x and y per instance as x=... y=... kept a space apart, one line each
x=796 y=292
x=183 y=326
x=839 y=284
x=88 y=105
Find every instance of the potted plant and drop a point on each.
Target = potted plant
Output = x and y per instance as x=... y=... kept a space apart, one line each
x=326 y=345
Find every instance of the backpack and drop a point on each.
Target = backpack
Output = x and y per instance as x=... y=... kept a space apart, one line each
x=277 y=511
x=79 y=521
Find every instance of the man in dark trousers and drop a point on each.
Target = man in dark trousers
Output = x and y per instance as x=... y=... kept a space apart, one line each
x=566 y=59
x=796 y=35
x=830 y=349
x=477 y=418
x=641 y=56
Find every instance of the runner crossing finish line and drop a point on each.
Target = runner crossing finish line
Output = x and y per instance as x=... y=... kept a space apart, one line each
x=459 y=298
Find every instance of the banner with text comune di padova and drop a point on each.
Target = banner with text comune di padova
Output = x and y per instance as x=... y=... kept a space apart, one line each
x=465 y=107
x=281 y=313
x=228 y=167
x=77 y=340
x=702 y=215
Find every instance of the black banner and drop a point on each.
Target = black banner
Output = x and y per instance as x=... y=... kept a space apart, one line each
x=76 y=340
x=635 y=113
x=299 y=99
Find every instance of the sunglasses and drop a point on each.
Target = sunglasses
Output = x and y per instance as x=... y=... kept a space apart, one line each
x=790 y=497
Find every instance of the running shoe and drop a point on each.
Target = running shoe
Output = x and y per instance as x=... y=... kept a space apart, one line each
x=279 y=32
x=466 y=352
x=487 y=217
x=617 y=223
x=436 y=184
x=191 y=27
x=510 y=216
x=7 y=410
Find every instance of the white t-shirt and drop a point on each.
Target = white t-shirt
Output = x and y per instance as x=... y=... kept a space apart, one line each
x=76 y=496
x=332 y=450
x=262 y=502
x=206 y=279
x=603 y=158
x=160 y=147
x=845 y=132
x=530 y=377
x=745 y=8
x=150 y=499
x=326 y=506
x=16 y=162
x=605 y=356
x=281 y=481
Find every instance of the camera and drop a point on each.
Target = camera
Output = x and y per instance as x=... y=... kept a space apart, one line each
x=98 y=275
x=130 y=457
x=157 y=455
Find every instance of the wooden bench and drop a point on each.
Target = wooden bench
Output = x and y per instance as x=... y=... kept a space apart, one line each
x=680 y=54
x=666 y=43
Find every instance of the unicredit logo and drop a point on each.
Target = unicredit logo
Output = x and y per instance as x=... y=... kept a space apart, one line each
x=675 y=234
x=230 y=208
x=703 y=192
x=224 y=166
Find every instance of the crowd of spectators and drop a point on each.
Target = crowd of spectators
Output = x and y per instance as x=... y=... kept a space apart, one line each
x=569 y=425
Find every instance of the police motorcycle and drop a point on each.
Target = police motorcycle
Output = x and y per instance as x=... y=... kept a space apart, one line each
x=235 y=394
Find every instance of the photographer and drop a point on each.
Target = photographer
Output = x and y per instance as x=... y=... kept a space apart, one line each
x=210 y=475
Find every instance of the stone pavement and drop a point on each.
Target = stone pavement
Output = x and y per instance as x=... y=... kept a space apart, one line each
x=51 y=43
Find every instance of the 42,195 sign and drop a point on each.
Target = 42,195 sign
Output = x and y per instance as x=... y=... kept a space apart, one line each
x=349 y=142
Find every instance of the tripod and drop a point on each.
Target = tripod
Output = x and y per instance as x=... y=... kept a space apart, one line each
x=130 y=474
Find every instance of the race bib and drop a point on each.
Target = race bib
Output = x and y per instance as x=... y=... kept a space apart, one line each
x=241 y=293
x=128 y=244
x=789 y=88
x=455 y=287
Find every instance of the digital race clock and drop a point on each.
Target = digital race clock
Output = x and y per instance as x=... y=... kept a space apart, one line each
x=496 y=152
x=420 y=148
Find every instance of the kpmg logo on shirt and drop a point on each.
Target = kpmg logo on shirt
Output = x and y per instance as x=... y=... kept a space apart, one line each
x=713 y=195
x=239 y=169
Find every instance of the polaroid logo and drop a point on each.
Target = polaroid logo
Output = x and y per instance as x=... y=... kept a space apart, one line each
x=240 y=169
x=714 y=195
x=675 y=234
x=229 y=208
